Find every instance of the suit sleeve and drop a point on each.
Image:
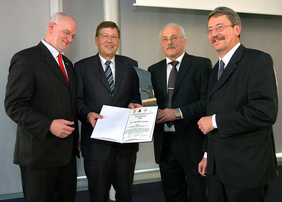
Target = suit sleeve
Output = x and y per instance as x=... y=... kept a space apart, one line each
x=261 y=107
x=135 y=93
x=82 y=108
x=19 y=94
x=195 y=110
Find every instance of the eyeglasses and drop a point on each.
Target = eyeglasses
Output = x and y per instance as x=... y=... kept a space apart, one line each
x=66 y=32
x=106 y=36
x=218 y=28
x=172 y=39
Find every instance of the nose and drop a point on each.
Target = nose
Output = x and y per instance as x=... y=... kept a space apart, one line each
x=69 y=38
x=109 y=38
x=169 y=41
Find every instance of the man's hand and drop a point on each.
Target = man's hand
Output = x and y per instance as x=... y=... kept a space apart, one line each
x=165 y=115
x=205 y=124
x=202 y=167
x=134 y=105
x=61 y=128
x=92 y=118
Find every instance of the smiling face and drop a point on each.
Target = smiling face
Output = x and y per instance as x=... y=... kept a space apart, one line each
x=60 y=33
x=223 y=41
x=172 y=42
x=107 y=42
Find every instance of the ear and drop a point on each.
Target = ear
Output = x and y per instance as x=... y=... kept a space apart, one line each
x=51 y=26
x=237 y=30
x=184 y=42
x=96 y=40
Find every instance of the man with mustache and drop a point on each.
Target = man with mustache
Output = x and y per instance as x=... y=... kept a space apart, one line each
x=242 y=106
x=177 y=138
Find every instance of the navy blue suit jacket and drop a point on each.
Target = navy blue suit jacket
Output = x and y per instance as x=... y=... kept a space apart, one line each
x=93 y=91
x=245 y=102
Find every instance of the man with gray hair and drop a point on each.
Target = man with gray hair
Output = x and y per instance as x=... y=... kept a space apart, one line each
x=242 y=106
x=41 y=99
x=180 y=84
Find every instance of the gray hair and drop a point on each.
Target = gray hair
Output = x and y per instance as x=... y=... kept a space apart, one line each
x=57 y=17
x=174 y=25
x=232 y=16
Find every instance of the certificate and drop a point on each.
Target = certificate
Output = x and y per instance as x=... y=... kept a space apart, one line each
x=124 y=125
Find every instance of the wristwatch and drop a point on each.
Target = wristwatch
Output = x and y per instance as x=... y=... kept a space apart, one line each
x=177 y=113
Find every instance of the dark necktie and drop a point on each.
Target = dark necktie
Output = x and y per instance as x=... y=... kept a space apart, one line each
x=62 y=66
x=109 y=75
x=170 y=87
x=220 y=69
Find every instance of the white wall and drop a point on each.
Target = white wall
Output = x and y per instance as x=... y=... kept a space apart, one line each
x=22 y=26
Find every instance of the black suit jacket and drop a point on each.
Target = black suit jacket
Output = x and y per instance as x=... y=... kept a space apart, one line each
x=190 y=94
x=93 y=92
x=245 y=102
x=37 y=93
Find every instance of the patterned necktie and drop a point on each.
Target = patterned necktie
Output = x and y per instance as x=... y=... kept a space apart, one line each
x=170 y=87
x=109 y=76
x=221 y=69
x=62 y=66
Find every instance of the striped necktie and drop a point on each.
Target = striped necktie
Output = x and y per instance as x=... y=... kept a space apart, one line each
x=109 y=76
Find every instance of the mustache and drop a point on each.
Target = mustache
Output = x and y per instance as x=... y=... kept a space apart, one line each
x=170 y=46
x=217 y=38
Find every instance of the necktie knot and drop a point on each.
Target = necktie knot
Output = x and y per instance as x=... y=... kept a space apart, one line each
x=108 y=63
x=174 y=63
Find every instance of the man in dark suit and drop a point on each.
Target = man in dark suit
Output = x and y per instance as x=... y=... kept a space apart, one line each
x=106 y=162
x=178 y=147
x=242 y=106
x=42 y=101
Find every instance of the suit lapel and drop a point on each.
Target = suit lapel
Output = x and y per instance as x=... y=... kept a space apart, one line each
x=119 y=72
x=52 y=63
x=183 y=69
x=98 y=71
x=162 y=71
x=230 y=68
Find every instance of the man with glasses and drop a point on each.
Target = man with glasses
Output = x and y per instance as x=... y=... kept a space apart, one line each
x=181 y=99
x=41 y=99
x=242 y=106
x=106 y=79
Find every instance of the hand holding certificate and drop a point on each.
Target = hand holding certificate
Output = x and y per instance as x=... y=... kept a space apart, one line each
x=125 y=125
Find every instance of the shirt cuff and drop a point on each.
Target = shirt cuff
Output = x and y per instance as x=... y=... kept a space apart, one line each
x=214 y=121
x=181 y=113
x=205 y=155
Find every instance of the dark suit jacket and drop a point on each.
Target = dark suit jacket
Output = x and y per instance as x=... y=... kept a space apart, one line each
x=37 y=93
x=93 y=92
x=244 y=100
x=190 y=94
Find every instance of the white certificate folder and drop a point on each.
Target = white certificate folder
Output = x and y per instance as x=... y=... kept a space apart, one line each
x=124 y=125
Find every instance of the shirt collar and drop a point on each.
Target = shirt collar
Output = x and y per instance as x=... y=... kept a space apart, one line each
x=179 y=59
x=103 y=60
x=229 y=55
x=53 y=50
